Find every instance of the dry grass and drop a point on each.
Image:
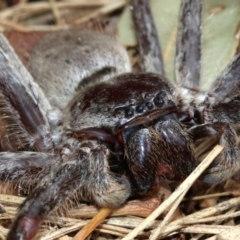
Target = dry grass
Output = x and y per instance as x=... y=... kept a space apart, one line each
x=138 y=218
x=36 y=16
x=217 y=206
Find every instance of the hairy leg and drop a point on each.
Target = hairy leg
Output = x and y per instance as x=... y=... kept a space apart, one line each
x=26 y=166
x=25 y=97
x=227 y=85
x=84 y=173
x=188 y=52
x=148 y=42
x=227 y=163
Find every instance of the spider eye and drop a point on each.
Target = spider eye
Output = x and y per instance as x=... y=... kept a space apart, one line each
x=129 y=112
x=140 y=108
x=158 y=100
x=149 y=105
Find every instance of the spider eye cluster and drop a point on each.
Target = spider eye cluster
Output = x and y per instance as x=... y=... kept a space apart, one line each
x=159 y=99
x=129 y=111
x=140 y=108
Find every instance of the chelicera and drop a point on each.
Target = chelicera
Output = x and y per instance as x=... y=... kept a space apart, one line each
x=91 y=130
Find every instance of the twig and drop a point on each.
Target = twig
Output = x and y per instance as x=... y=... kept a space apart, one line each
x=56 y=12
x=212 y=219
x=180 y=223
x=13 y=25
x=101 y=12
x=213 y=195
x=185 y=185
x=4 y=198
x=207 y=229
x=64 y=231
x=93 y=223
x=167 y=217
x=39 y=7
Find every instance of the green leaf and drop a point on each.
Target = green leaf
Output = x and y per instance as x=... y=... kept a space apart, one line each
x=219 y=27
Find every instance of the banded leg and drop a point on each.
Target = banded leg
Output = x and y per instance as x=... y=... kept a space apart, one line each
x=25 y=97
x=85 y=175
x=227 y=85
x=148 y=42
x=13 y=135
x=188 y=52
x=26 y=167
x=228 y=162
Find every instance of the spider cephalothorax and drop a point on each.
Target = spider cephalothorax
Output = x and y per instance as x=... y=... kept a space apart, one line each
x=101 y=134
x=134 y=122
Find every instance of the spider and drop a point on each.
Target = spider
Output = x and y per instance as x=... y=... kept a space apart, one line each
x=89 y=129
